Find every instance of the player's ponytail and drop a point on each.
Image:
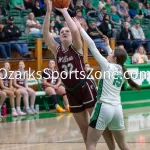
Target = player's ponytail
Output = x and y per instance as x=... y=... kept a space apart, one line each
x=121 y=57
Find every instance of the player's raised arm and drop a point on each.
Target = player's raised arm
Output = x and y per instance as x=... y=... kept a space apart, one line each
x=76 y=38
x=50 y=41
x=91 y=45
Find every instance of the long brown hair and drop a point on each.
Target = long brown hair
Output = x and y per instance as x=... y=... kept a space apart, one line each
x=121 y=56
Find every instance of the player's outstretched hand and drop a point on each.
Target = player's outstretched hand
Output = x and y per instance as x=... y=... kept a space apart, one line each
x=77 y=23
x=49 y=6
x=62 y=9
x=105 y=38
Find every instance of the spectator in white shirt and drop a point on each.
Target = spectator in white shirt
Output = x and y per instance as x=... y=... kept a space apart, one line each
x=140 y=56
x=139 y=36
x=32 y=25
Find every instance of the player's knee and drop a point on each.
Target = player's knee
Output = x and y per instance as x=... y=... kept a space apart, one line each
x=51 y=92
x=3 y=95
x=90 y=142
x=84 y=129
x=123 y=146
x=61 y=90
x=17 y=93
x=32 y=93
x=25 y=94
x=11 y=94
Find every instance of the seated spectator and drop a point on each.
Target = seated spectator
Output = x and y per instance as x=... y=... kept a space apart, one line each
x=5 y=49
x=133 y=5
x=122 y=10
x=32 y=25
x=2 y=11
x=54 y=32
x=126 y=37
x=12 y=34
x=82 y=21
x=140 y=56
x=28 y=4
x=140 y=11
x=52 y=86
x=128 y=60
x=101 y=15
x=96 y=36
x=2 y=100
x=102 y=4
x=52 y=16
x=128 y=19
x=91 y=11
x=21 y=84
x=108 y=6
x=17 y=4
x=58 y=23
x=79 y=3
x=107 y=27
x=38 y=12
x=41 y=3
x=115 y=19
x=147 y=11
x=138 y=35
x=7 y=87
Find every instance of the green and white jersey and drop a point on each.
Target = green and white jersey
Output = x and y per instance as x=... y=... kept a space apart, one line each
x=110 y=84
x=109 y=87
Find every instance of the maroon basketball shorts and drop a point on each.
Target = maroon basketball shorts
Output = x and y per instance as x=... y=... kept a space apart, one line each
x=83 y=97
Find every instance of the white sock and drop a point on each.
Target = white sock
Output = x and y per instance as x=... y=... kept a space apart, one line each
x=67 y=105
x=18 y=109
x=13 y=109
x=32 y=107
x=27 y=108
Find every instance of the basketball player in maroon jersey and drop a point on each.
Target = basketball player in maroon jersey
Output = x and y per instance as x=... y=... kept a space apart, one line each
x=21 y=84
x=69 y=55
x=6 y=86
x=52 y=85
x=2 y=99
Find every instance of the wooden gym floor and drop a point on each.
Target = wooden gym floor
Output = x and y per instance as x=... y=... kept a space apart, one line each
x=53 y=131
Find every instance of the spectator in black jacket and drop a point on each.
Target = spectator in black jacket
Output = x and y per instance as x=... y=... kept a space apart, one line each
x=5 y=49
x=107 y=27
x=38 y=12
x=28 y=4
x=2 y=10
x=96 y=36
x=126 y=37
x=12 y=34
x=91 y=11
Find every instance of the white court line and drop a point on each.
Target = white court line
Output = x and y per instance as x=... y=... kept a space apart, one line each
x=69 y=140
x=22 y=146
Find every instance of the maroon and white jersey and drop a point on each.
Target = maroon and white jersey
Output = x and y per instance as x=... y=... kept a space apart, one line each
x=71 y=62
x=6 y=80
x=51 y=76
x=20 y=78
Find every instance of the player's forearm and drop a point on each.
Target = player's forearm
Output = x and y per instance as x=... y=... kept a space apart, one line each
x=100 y=59
x=46 y=24
x=109 y=50
x=72 y=26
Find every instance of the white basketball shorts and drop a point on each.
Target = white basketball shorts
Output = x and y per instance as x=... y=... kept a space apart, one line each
x=106 y=115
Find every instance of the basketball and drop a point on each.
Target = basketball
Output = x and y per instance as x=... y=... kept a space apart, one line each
x=61 y=3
